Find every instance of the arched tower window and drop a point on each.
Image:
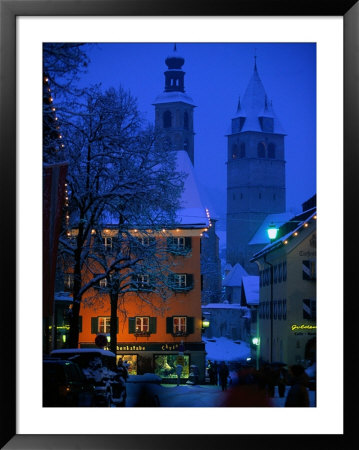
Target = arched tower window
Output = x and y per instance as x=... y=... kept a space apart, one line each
x=167 y=119
x=242 y=153
x=235 y=151
x=185 y=120
x=271 y=150
x=261 y=150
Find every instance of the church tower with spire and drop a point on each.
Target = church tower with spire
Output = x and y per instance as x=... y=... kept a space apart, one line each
x=174 y=108
x=255 y=171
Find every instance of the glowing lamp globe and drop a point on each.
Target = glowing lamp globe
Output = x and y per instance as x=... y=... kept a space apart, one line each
x=272 y=231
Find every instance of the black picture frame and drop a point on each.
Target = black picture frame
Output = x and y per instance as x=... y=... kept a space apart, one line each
x=9 y=10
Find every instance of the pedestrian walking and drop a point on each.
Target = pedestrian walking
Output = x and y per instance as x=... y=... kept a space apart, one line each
x=122 y=369
x=179 y=369
x=215 y=373
x=223 y=375
x=298 y=393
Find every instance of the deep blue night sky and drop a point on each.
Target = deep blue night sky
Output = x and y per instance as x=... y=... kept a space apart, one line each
x=216 y=75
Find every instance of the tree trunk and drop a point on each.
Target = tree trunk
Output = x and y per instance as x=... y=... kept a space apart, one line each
x=113 y=321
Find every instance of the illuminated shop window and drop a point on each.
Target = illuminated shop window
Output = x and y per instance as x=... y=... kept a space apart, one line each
x=165 y=365
x=130 y=361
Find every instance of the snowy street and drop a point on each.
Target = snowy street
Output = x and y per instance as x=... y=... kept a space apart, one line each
x=171 y=395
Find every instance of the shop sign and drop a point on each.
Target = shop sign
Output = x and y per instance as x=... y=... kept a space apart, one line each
x=300 y=329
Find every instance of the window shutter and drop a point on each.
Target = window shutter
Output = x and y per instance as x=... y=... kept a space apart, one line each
x=169 y=244
x=171 y=279
x=188 y=243
x=153 y=323
x=80 y=324
x=131 y=324
x=94 y=325
x=189 y=280
x=190 y=325
x=169 y=324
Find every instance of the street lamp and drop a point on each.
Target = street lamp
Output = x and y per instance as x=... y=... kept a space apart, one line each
x=272 y=231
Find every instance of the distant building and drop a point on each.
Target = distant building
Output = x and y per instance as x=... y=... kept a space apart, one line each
x=233 y=284
x=287 y=305
x=255 y=172
x=211 y=282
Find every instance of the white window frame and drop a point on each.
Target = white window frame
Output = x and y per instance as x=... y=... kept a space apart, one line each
x=103 y=283
x=180 y=280
x=68 y=280
x=142 y=324
x=104 y=323
x=181 y=327
x=107 y=242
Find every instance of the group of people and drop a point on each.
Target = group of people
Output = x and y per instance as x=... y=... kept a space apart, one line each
x=218 y=373
x=258 y=387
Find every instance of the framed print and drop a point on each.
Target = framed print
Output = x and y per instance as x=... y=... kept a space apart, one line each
x=141 y=33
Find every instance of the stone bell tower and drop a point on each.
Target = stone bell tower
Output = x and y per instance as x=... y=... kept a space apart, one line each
x=255 y=171
x=174 y=108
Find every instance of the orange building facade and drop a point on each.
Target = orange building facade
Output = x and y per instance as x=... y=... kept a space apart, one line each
x=154 y=337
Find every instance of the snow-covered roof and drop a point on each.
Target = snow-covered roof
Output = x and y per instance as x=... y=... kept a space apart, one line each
x=283 y=239
x=173 y=96
x=251 y=289
x=63 y=296
x=261 y=236
x=255 y=104
x=222 y=306
x=234 y=278
x=192 y=211
x=83 y=350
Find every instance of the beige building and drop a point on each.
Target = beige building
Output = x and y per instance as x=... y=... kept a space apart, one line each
x=287 y=300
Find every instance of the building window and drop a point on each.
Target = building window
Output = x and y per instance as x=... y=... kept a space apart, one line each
x=271 y=150
x=284 y=309
x=167 y=119
x=242 y=152
x=103 y=283
x=280 y=273
x=285 y=271
x=179 y=324
x=179 y=245
x=104 y=324
x=68 y=281
x=185 y=145
x=309 y=309
x=280 y=309
x=275 y=310
x=275 y=272
x=234 y=151
x=165 y=366
x=309 y=270
x=142 y=324
x=107 y=243
x=261 y=152
x=259 y=196
x=181 y=281
x=185 y=120
x=141 y=282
